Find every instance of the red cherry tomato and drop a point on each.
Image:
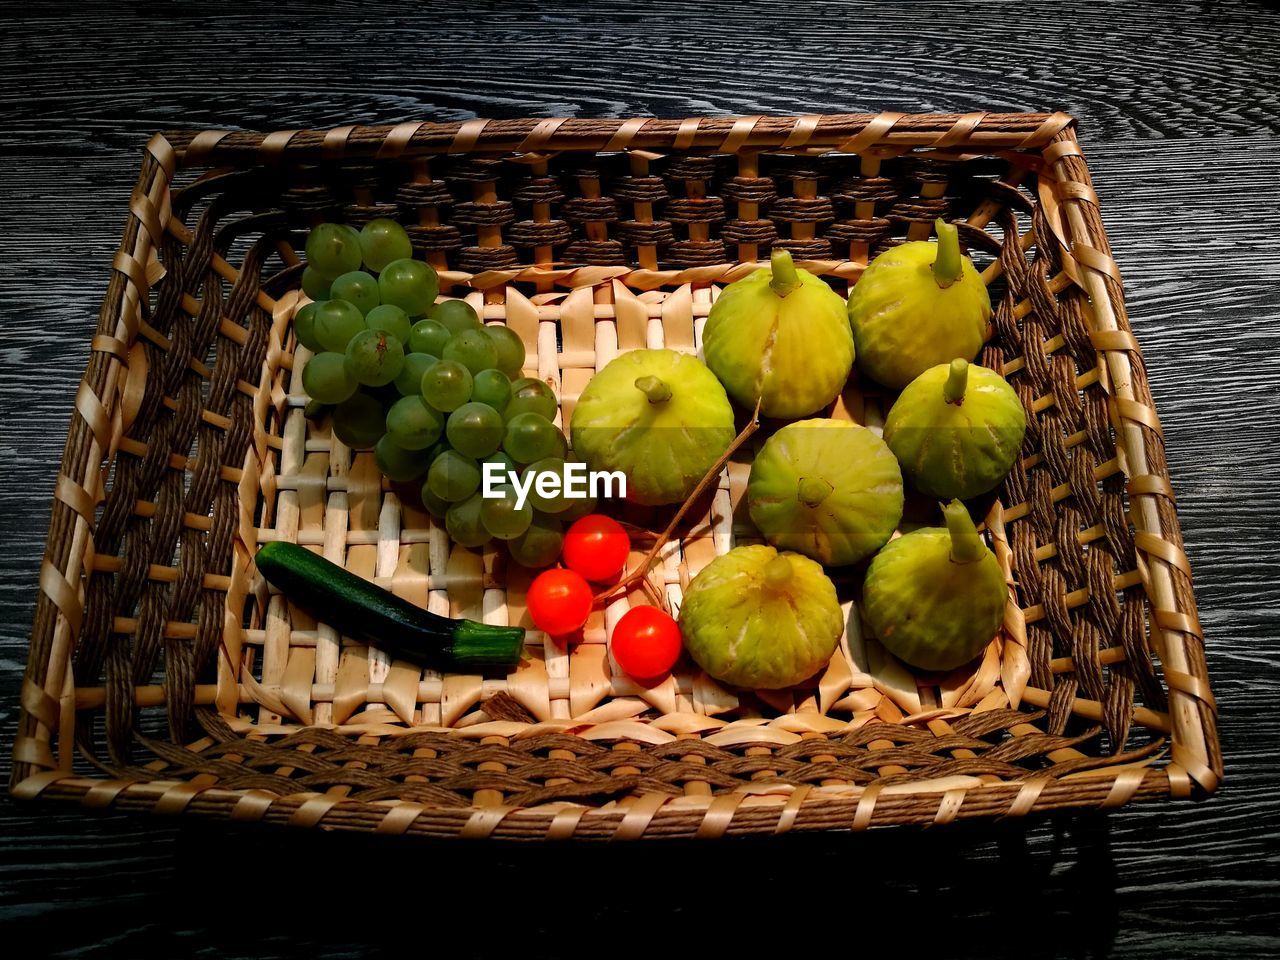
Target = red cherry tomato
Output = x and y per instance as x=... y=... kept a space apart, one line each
x=559 y=601
x=596 y=546
x=645 y=642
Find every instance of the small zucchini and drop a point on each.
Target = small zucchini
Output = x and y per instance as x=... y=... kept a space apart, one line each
x=363 y=610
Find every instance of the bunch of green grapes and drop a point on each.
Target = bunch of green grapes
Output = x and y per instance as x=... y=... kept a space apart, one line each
x=433 y=391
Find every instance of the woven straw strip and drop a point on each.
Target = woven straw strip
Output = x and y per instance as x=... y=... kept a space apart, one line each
x=39 y=704
x=949 y=807
x=626 y=132
x=960 y=130
x=719 y=815
x=638 y=816
x=64 y=596
x=176 y=799
x=252 y=805
x=34 y=785
x=400 y=817
x=876 y=130
x=273 y=145
x=565 y=823
x=739 y=133
x=467 y=136
x=540 y=135
x=201 y=145
x=397 y=141
x=34 y=751
x=483 y=822
x=1028 y=793
x=802 y=132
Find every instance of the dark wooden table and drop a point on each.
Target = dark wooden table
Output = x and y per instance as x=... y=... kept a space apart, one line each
x=1179 y=107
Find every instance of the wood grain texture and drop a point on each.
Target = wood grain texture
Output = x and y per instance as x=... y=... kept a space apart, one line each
x=1179 y=107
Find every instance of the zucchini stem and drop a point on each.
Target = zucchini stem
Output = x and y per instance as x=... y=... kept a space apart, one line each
x=947 y=264
x=485 y=645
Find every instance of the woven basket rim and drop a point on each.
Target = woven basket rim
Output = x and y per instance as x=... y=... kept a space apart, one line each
x=849 y=132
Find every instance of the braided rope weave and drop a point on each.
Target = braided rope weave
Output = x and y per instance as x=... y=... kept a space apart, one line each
x=587 y=237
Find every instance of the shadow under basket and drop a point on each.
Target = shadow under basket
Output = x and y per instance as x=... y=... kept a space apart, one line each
x=165 y=675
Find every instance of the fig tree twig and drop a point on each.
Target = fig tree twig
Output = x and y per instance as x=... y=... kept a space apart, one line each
x=710 y=477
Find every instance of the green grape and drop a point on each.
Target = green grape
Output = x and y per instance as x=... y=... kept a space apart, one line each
x=374 y=358
x=456 y=315
x=453 y=477
x=412 y=424
x=398 y=463
x=531 y=436
x=474 y=430
x=390 y=319
x=359 y=421
x=428 y=336
x=446 y=385
x=493 y=388
x=472 y=349
x=304 y=327
x=325 y=378
x=382 y=241
x=336 y=322
x=333 y=248
x=502 y=518
x=578 y=509
x=409 y=284
x=540 y=545
x=356 y=287
x=385 y=395
x=464 y=524
x=435 y=506
x=409 y=380
x=556 y=503
x=316 y=284
x=510 y=349
x=531 y=396
x=314 y=409
x=506 y=467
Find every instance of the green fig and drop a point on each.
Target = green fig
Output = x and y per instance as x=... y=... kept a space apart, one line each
x=779 y=336
x=935 y=597
x=829 y=489
x=659 y=417
x=918 y=305
x=761 y=619
x=956 y=430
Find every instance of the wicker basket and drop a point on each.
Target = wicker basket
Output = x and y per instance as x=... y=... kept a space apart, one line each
x=165 y=676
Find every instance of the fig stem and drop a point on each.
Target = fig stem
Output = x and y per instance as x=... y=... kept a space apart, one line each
x=813 y=490
x=966 y=545
x=947 y=264
x=656 y=390
x=957 y=381
x=785 y=279
x=777 y=572
x=708 y=478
